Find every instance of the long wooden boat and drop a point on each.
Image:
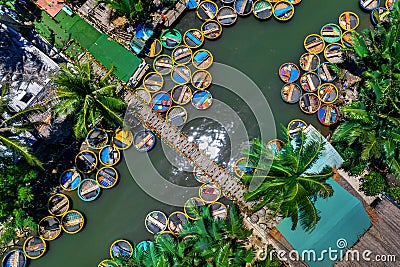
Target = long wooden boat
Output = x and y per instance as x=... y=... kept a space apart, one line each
x=369 y=5
x=275 y=145
x=143 y=94
x=328 y=114
x=193 y=38
x=243 y=166
x=153 y=49
x=161 y=102
x=291 y=93
x=389 y=4
x=309 y=103
x=181 y=94
x=327 y=72
x=107 y=177
x=211 y=29
x=202 y=99
x=109 y=156
x=97 y=138
x=295 y=126
x=144 y=140
x=331 y=33
x=314 y=43
x=347 y=39
x=89 y=190
x=70 y=179
x=209 y=192
x=34 y=247
x=201 y=79
x=86 y=161
x=202 y=59
x=289 y=72
x=14 y=258
x=226 y=16
x=243 y=7
x=176 y=221
x=58 y=204
x=218 y=210
x=333 y=53
x=122 y=139
x=171 y=38
x=182 y=54
x=328 y=93
x=207 y=10
x=177 y=116
x=163 y=65
x=310 y=81
x=49 y=228
x=108 y=263
x=72 y=222
x=380 y=15
x=121 y=248
x=156 y=222
x=181 y=74
x=262 y=9
x=349 y=21
x=201 y=176
x=192 y=208
x=283 y=11
x=153 y=82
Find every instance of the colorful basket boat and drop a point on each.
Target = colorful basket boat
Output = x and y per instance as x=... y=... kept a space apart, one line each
x=347 y=39
x=209 y=192
x=121 y=248
x=328 y=93
x=153 y=49
x=333 y=53
x=193 y=38
x=109 y=156
x=153 y=82
x=226 y=16
x=58 y=204
x=309 y=103
x=283 y=11
x=122 y=139
x=192 y=208
x=243 y=7
x=218 y=210
x=295 y=126
x=108 y=263
x=309 y=62
x=171 y=38
x=182 y=54
x=207 y=10
x=310 y=81
x=72 y=222
x=328 y=115
x=380 y=15
x=163 y=65
x=144 y=140
x=89 y=190
x=70 y=179
x=177 y=116
x=201 y=79
x=49 y=228
x=97 y=138
x=202 y=59
x=86 y=161
x=181 y=94
x=202 y=99
x=275 y=146
x=211 y=29
x=161 y=102
x=314 y=44
x=14 y=258
x=294 y=2
x=262 y=9
x=176 y=220
x=181 y=74
x=349 y=21
x=107 y=177
x=156 y=222
x=369 y=5
x=327 y=72
x=289 y=72
x=389 y=4
x=331 y=33
x=243 y=166
x=34 y=247
x=291 y=93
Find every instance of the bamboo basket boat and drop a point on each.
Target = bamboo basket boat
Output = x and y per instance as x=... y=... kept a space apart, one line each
x=192 y=208
x=347 y=39
x=314 y=44
x=369 y=5
x=144 y=140
x=181 y=94
x=143 y=94
x=163 y=65
x=201 y=176
x=202 y=59
x=333 y=53
x=226 y=16
x=211 y=29
x=218 y=210
x=309 y=62
x=243 y=7
x=88 y=190
x=262 y=9
x=328 y=93
x=207 y=10
x=107 y=177
x=326 y=72
x=202 y=99
x=109 y=156
x=209 y=192
x=72 y=222
x=14 y=258
x=389 y=4
x=161 y=102
x=153 y=49
x=97 y=138
x=294 y=2
x=349 y=21
x=70 y=179
x=171 y=38
x=156 y=222
x=291 y=93
x=310 y=81
x=331 y=33
x=289 y=72
x=309 y=103
x=176 y=220
x=108 y=263
x=243 y=166
x=182 y=55
x=380 y=15
x=34 y=247
x=86 y=161
x=201 y=79
x=328 y=115
x=193 y=38
x=122 y=139
x=177 y=116
x=49 y=228
x=295 y=126
x=275 y=146
x=121 y=248
x=153 y=82
x=283 y=11
x=58 y=204
x=181 y=74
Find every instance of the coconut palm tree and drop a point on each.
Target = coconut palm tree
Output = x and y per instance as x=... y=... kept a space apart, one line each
x=288 y=182
x=87 y=98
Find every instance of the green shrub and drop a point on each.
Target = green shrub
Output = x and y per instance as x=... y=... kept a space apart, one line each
x=374 y=183
x=394 y=192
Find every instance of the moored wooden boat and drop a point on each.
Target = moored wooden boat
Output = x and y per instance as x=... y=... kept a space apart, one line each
x=349 y=20
x=262 y=9
x=143 y=94
x=109 y=156
x=309 y=62
x=144 y=140
x=275 y=145
x=201 y=176
x=181 y=74
x=291 y=93
x=88 y=190
x=153 y=48
x=70 y=179
x=163 y=65
x=347 y=39
x=333 y=53
x=328 y=93
x=314 y=43
x=161 y=102
x=201 y=79
x=171 y=38
x=49 y=228
x=380 y=15
x=34 y=247
x=243 y=7
x=177 y=116
x=218 y=210
x=58 y=204
x=283 y=10
x=310 y=81
x=14 y=258
x=226 y=16
x=328 y=114
x=369 y=5
x=122 y=139
x=107 y=177
x=309 y=103
x=243 y=166
x=121 y=248
x=181 y=94
x=182 y=54
x=156 y=222
x=289 y=72
x=108 y=263
x=72 y=222
x=153 y=82
x=193 y=38
x=209 y=192
x=331 y=33
x=86 y=161
x=295 y=126
x=327 y=72
x=97 y=138
x=202 y=59
x=192 y=208
x=207 y=10
x=176 y=221
x=202 y=99
x=211 y=29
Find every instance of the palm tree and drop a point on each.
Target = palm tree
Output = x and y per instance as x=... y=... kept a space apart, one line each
x=87 y=98
x=288 y=182
x=133 y=10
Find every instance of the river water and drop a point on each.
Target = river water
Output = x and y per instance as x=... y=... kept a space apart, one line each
x=255 y=48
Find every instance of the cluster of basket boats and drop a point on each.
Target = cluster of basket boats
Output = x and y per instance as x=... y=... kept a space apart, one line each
x=378 y=13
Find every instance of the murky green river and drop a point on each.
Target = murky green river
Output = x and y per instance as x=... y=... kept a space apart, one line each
x=255 y=48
